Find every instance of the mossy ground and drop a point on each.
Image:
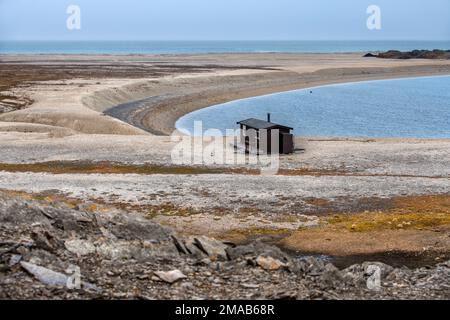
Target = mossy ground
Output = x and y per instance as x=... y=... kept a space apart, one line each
x=413 y=225
x=416 y=213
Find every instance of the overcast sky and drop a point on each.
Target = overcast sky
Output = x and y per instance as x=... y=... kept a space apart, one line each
x=224 y=20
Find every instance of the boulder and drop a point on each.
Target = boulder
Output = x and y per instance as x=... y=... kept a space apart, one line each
x=216 y=250
x=53 y=278
x=44 y=275
x=256 y=249
x=170 y=276
x=270 y=264
x=359 y=273
x=310 y=266
x=331 y=277
x=80 y=247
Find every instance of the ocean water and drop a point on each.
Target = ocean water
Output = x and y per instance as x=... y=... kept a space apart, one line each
x=178 y=47
x=410 y=108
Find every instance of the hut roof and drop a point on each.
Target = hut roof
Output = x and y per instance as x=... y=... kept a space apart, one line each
x=261 y=124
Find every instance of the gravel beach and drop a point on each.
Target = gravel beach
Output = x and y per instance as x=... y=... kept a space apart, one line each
x=107 y=121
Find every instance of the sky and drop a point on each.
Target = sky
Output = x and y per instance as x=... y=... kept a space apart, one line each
x=225 y=20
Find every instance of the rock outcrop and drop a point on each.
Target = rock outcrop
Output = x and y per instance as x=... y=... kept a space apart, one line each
x=415 y=54
x=55 y=251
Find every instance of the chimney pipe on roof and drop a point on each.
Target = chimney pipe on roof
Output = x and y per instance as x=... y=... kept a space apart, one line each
x=268 y=117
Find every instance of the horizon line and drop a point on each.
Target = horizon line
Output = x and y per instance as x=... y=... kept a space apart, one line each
x=222 y=40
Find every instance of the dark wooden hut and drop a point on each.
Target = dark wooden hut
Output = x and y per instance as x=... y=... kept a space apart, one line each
x=259 y=136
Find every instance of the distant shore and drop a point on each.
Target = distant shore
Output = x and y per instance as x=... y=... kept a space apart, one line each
x=149 y=93
x=158 y=115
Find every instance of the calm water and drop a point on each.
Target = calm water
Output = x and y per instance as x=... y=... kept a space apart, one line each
x=174 y=47
x=418 y=107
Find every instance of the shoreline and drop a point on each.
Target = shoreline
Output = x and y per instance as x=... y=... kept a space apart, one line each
x=157 y=118
x=332 y=85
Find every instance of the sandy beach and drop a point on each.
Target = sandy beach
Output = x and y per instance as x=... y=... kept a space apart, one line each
x=95 y=129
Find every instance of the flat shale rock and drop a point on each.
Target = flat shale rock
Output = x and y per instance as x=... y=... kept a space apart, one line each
x=216 y=250
x=46 y=276
x=170 y=276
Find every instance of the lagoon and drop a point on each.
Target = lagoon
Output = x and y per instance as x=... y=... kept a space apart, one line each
x=406 y=108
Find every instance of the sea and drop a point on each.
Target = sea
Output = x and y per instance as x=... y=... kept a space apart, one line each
x=404 y=108
x=197 y=47
x=416 y=108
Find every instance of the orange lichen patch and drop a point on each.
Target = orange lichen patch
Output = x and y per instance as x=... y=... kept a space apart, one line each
x=249 y=210
x=311 y=172
x=168 y=209
x=39 y=196
x=414 y=224
x=390 y=221
x=106 y=167
x=100 y=205
x=424 y=204
x=50 y=198
x=244 y=235
x=343 y=243
x=424 y=212
x=318 y=202
x=93 y=207
x=403 y=221
x=263 y=231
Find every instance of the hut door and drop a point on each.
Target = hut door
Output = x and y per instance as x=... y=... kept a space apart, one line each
x=286 y=143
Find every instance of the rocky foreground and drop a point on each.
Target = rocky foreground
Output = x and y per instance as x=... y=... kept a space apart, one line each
x=124 y=256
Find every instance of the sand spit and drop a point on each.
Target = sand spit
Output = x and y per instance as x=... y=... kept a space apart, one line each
x=82 y=87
